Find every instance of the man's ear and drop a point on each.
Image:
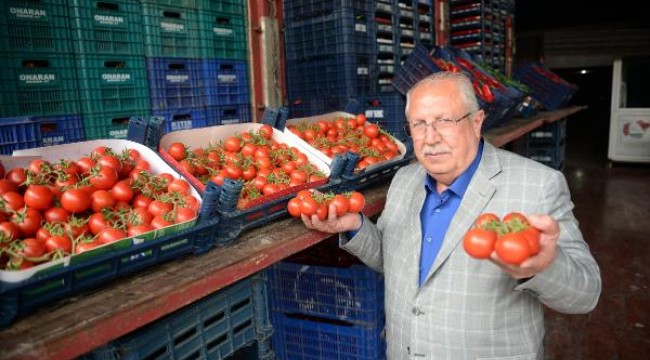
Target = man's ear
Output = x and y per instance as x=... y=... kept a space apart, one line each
x=477 y=121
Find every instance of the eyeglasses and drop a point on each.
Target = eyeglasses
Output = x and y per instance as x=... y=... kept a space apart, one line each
x=418 y=128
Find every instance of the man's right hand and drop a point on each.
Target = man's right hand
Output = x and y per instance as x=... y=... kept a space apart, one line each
x=333 y=224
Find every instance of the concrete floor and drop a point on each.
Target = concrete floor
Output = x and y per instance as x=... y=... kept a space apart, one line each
x=612 y=204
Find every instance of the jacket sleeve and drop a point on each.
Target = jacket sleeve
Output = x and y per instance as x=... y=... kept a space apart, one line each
x=572 y=283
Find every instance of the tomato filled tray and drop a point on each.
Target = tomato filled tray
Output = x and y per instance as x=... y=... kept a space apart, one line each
x=367 y=152
x=90 y=224
x=254 y=168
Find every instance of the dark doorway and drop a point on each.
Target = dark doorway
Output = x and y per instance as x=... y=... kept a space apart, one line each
x=588 y=129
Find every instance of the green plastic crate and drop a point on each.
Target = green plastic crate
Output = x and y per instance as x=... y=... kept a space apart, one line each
x=106 y=27
x=110 y=125
x=112 y=83
x=223 y=36
x=170 y=31
x=185 y=4
x=34 y=26
x=235 y=7
x=37 y=84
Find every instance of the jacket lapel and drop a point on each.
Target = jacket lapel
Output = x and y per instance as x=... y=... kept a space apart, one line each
x=478 y=194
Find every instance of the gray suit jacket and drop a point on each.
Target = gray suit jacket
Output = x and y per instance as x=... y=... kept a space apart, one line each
x=468 y=308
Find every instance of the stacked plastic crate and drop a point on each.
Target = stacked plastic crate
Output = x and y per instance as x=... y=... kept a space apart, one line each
x=480 y=27
x=216 y=327
x=331 y=53
x=110 y=65
x=196 y=62
x=547 y=144
x=324 y=304
x=39 y=105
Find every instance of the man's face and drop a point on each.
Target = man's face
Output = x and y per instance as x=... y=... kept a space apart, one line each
x=444 y=153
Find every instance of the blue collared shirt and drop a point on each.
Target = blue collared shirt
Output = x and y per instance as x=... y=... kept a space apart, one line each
x=437 y=212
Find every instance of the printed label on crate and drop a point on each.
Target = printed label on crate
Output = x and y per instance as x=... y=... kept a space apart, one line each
x=375 y=114
x=362 y=71
x=27 y=13
x=167 y=26
x=53 y=140
x=227 y=78
x=222 y=31
x=111 y=78
x=36 y=78
x=181 y=125
x=108 y=19
x=176 y=79
x=118 y=134
x=360 y=27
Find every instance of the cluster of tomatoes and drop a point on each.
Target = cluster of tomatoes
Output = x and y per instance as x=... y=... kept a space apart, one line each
x=353 y=134
x=265 y=165
x=49 y=210
x=312 y=202
x=513 y=238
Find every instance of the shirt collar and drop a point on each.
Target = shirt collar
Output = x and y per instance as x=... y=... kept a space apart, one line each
x=459 y=186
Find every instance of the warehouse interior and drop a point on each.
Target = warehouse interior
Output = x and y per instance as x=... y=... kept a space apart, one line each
x=147 y=307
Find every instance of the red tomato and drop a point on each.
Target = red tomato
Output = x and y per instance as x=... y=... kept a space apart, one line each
x=184 y=214
x=479 y=243
x=38 y=197
x=17 y=176
x=12 y=200
x=270 y=189
x=104 y=179
x=533 y=235
x=31 y=248
x=360 y=119
x=97 y=222
x=110 y=161
x=371 y=130
x=177 y=151
x=39 y=166
x=28 y=221
x=487 y=221
x=110 y=234
x=308 y=206
x=180 y=186
x=101 y=199
x=77 y=227
x=75 y=200
x=158 y=207
x=56 y=215
x=342 y=204
x=142 y=201
x=357 y=202
x=293 y=207
x=84 y=246
x=85 y=164
x=6 y=185
x=59 y=242
x=136 y=230
x=322 y=212
x=2 y=170
x=9 y=230
x=122 y=191
x=515 y=221
x=512 y=248
x=266 y=131
x=159 y=221
x=232 y=144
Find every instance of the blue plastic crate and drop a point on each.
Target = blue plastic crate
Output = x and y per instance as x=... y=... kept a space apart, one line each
x=225 y=82
x=341 y=32
x=553 y=133
x=552 y=155
x=315 y=105
x=546 y=87
x=304 y=339
x=387 y=111
x=212 y=328
x=415 y=68
x=295 y=10
x=31 y=132
x=34 y=26
x=174 y=83
x=338 y=76
x=182 y=119
x=351 y=180
x=354 y=294
x=228 y=114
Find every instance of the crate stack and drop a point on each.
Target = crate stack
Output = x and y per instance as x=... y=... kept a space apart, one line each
x=547 y=144
x=196 y=62
x=330 y=50
x=110 y=65
x=325 y=304
x=220 y=325
x=348 y=50
x=480 y=27
x=39 y=105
